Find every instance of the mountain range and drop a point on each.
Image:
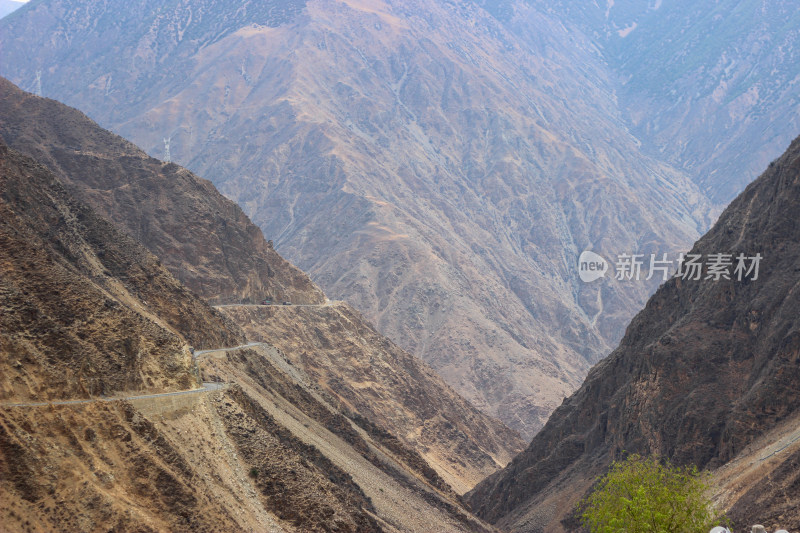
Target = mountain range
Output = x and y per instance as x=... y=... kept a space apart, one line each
x=437 y=168
x=424 y=161
x=129 y=402
x=203 y=238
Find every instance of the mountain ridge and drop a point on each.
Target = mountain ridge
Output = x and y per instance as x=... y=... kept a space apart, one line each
x=369 y=375
x=705 y=85
x=418 y=160
x=89 y=314
x=704 y=369
x=141 y=187
x=203 y=238
x=62 y=261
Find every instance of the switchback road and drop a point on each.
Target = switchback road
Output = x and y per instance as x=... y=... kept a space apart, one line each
x=207 y=386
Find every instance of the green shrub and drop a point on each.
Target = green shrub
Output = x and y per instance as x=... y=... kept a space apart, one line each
x=642 y=495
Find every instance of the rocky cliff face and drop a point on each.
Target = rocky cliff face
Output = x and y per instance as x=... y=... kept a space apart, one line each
x=204 y=239
x=371 y=376
x=417 y=158
x=703 y=371
x=85 y=308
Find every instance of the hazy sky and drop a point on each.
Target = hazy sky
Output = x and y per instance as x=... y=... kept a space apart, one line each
x=9 y=6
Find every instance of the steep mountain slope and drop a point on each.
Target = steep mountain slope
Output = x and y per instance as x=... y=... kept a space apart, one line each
x=711 y=86
x=369 y=375
x=172 y=205
x=203 y=238
x=703 y=371
x=86 y=309
x=415 y=157
x=762 y=480
x=405 y=493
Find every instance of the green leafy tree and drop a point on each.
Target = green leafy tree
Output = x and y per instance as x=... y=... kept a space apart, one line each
x=643 y=495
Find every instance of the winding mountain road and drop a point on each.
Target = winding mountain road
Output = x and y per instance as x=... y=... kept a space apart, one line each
x=198 y=353
x=207 y=386
x=278 y=304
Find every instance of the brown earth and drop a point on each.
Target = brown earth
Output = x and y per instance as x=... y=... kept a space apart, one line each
x=269 y=454
x=203 y=238
x=99 y=466
x=285 y=483
x=762 y=481
x=369 y=375
x=704 y=370
x=405 y=493
x=85 y=309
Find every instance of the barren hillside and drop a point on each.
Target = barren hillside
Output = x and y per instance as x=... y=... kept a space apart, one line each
x=203 y=238
x=703 y=372
x=105 y=422
x=94 y=342
x=85 y=308
x=371 y=376
x=416 y=158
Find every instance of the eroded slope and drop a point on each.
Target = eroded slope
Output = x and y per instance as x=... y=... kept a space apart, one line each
x=371 y=376
x=87 y=312
x=705 y=369
x=416 y=158
x=203 y=238
x=85 y=308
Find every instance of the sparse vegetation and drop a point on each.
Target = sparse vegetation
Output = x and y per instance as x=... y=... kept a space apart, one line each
x=644 y=495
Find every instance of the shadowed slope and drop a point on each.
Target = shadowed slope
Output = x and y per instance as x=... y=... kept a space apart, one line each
x=203 y=238
x=706 y=368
